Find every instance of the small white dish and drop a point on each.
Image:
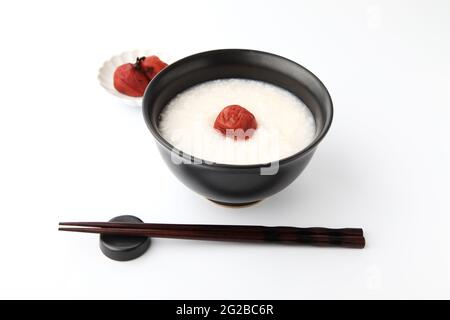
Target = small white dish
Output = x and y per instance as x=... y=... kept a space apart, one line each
x=106 y=72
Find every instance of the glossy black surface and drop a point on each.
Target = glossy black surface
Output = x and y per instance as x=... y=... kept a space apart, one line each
x=124 y=248
x=234 y=184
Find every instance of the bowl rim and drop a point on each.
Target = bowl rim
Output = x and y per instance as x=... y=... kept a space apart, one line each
x=160 y=139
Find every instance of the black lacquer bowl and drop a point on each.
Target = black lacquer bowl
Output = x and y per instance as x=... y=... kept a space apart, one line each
x=236 y=184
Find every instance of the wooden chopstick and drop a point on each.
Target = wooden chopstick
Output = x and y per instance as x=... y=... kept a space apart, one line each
x=347 y=237
x=244 y=228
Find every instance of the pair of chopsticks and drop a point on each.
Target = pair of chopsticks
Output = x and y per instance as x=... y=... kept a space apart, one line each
x=324 y=237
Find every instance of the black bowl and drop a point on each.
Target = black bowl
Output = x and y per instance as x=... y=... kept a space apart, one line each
x=236 y=184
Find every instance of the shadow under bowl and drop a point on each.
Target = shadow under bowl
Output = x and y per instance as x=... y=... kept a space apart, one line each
x=236 y=184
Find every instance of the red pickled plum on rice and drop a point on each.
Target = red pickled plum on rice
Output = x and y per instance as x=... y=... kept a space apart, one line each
x=236 y=121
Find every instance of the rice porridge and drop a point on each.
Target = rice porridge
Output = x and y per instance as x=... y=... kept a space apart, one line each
x=285 y=125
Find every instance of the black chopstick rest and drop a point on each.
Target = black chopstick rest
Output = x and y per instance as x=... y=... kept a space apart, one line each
x=124 y=248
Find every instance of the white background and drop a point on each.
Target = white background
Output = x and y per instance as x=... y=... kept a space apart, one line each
x=71 y=151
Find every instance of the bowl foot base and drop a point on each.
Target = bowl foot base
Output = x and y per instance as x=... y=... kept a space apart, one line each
x=235 y=205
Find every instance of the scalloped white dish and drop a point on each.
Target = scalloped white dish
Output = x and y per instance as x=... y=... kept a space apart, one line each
x=106 y=72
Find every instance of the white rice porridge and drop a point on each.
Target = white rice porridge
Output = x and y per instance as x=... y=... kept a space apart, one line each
x=285 y=124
